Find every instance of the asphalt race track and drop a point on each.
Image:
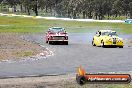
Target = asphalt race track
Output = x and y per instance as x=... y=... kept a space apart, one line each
x=67 y=58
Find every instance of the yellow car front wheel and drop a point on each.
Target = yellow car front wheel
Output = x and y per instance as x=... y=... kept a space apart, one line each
x=93 y=43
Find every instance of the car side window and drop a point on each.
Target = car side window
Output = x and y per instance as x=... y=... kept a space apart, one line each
x=97 y=34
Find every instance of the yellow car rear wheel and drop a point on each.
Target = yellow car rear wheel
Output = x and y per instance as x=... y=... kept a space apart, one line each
x=120 y=46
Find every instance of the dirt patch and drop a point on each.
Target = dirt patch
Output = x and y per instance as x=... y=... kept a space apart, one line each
x=62 y=81
x=13 y=47
x=37 y=82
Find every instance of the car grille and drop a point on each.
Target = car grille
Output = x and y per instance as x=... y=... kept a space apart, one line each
x=59 y=37
x=114 y=40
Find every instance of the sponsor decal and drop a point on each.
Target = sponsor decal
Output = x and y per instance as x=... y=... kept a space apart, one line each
x=82 y=78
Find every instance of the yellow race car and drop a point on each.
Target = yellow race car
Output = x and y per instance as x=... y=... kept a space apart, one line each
x=107 y=38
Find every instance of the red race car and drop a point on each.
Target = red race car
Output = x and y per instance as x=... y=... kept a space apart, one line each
x=56 y=34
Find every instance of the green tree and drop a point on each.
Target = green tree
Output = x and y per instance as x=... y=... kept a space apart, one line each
x=126 y=7
x=130 y=4
x=117 y=8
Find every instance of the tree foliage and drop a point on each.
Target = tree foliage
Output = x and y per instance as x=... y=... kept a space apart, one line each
x=97 y=9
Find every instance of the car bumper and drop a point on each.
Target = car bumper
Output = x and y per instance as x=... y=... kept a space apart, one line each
x=58 y=40
x=116 y=44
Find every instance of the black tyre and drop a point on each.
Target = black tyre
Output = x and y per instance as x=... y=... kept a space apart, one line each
x=81 y=80
x=120 y=46
x=50 y=42
x=47 y=41
x=93 y=43
x=66 y=43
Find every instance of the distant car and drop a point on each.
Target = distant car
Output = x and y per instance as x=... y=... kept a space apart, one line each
x=56 y=34
x=128 y=21
x=107 y=38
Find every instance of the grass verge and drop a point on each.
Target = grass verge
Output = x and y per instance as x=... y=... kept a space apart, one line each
x=31 y=25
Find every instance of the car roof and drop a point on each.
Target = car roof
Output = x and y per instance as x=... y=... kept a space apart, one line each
x=56 y=28
x=106 y=31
